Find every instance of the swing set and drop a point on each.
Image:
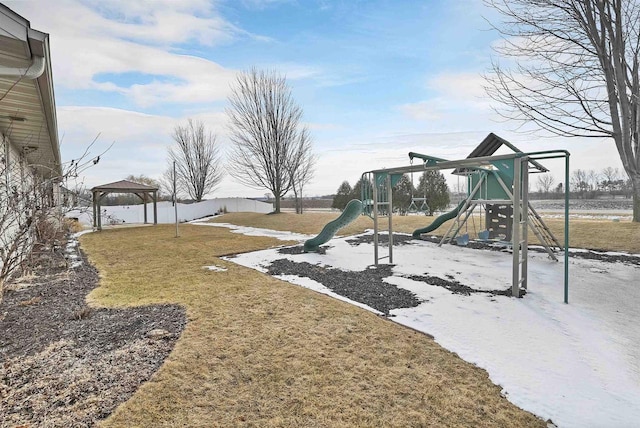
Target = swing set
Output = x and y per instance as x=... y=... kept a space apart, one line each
x=496 y=186
x=413 y=206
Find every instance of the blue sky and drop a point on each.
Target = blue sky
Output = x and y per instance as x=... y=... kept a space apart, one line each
x=376 y=79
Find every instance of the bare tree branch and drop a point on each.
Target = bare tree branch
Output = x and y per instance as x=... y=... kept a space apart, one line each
x=572 y=70
x=270 y=149
x=197 y=158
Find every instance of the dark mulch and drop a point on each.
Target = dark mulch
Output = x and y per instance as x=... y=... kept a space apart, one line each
x=610 y=258
x=299 y=249
x=402 y=239
x=66 y=364
x=366 y=286
x=456 y=287
x=383 y=239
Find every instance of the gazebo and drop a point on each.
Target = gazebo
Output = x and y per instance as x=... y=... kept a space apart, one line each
x=124 y=186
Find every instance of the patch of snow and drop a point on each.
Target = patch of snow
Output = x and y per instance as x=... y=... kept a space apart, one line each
x=577 y=364
x=255 y=231
x=215 y=268
x=589 y=216
x=82 y=232
x=202 y=220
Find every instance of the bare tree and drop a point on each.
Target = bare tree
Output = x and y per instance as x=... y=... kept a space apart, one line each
x=610 y=174
x=301 y=168
x=167 y=181
x=592 y=179
x=545 y=183
x=575 y=72
x=31 y=209
x=267 y=135
x=197 y=157
x=578 y=181
x=143 y=179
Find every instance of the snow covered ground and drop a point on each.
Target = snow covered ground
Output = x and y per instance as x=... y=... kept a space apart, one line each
x=576 y=364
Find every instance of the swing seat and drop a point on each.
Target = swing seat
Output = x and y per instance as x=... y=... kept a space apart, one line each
x=462 y=239
x=413 y=207
x=483 y=235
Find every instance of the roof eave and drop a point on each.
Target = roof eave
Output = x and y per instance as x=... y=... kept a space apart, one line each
x=39 y=45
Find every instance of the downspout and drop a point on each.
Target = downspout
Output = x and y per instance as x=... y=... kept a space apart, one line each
x=33 y=71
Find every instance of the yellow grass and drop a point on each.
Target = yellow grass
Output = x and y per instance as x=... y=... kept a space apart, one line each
x=261 y=352
x=593 y=234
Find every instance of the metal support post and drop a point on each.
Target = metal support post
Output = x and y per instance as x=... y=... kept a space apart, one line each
x=566 y=228
x=390 y=214
x=375 y=220
x=515 y=232
x=525 y=220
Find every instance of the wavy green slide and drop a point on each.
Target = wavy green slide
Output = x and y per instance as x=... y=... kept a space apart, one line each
x=438 y=221
x=351 y=212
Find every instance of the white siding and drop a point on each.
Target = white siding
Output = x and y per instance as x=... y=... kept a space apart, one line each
x=15 y=186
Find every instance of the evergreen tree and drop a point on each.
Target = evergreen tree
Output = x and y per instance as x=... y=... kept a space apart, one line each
x=402 y=192
x=343 y=196
x=434 y=186
x=356 y=192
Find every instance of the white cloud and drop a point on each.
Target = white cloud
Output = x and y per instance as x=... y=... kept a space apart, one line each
x=455 y=96
x=141 y=37
x=141 y=143
x=423 y=110
x=460 y=87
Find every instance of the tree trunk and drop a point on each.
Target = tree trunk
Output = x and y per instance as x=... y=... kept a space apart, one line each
x=276 y=204
x=635 y=182
x=295 y=198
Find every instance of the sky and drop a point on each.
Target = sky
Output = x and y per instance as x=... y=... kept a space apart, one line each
x=375 y=79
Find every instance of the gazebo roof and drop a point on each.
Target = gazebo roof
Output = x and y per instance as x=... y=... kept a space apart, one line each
x=124 y=186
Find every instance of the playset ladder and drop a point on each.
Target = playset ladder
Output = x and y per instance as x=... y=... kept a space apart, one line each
x=530 y=222
x=389 y=204
x=548 y=239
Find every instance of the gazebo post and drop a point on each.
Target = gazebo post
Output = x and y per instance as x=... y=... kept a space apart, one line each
x=144 y=202
x=155 y=207
x=100 y=195
x=95 y=221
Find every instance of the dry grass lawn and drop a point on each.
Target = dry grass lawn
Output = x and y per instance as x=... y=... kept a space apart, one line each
x=261 y=352
x=593 y=234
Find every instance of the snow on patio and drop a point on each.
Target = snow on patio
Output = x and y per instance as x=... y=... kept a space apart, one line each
x=576 y=364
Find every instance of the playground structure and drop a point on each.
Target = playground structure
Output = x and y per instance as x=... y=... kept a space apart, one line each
x=497 y=183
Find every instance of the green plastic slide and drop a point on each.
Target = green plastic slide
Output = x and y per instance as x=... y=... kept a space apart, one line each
x=438 y=221
x=351 y=212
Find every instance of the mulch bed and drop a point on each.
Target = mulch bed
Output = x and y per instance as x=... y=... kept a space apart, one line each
x=69 y=365
x=365 y=286
x=368 y=286
x=592 y=254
